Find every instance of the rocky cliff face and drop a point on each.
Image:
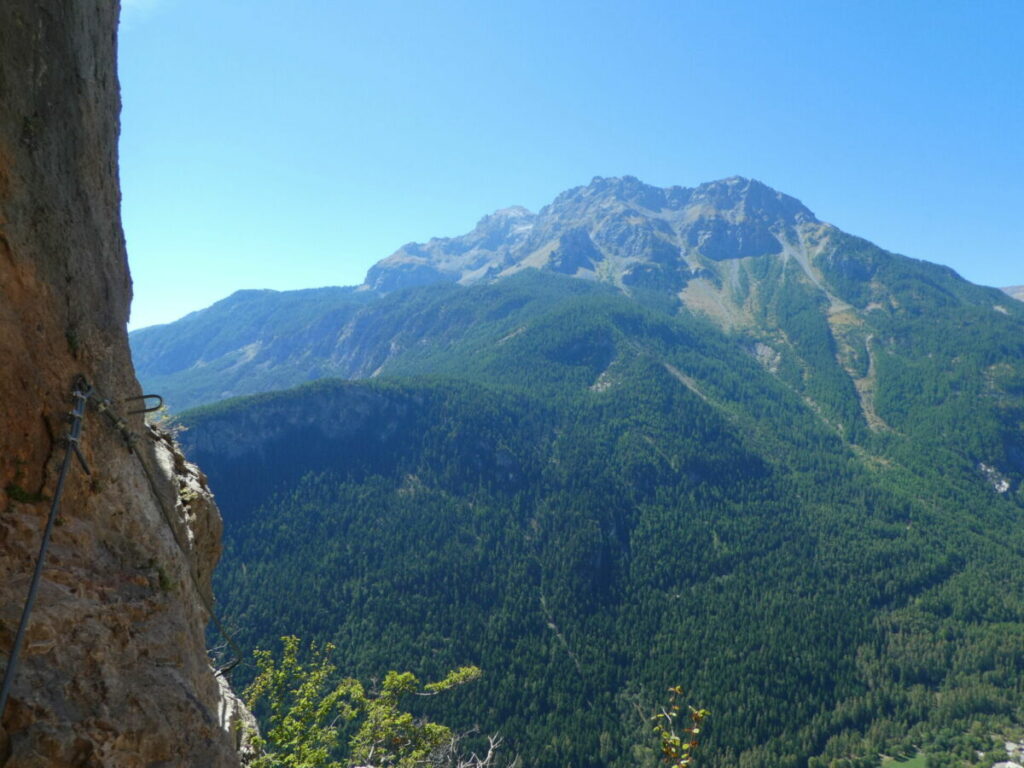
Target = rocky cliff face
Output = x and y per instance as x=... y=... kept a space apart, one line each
x=114 y=671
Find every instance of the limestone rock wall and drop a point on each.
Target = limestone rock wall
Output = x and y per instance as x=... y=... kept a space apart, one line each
x=114 y=671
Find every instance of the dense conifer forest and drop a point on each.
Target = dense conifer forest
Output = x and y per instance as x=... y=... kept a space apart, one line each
x=594 y=496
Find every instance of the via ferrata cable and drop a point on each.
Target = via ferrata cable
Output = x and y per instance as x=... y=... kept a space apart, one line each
x=81 y=394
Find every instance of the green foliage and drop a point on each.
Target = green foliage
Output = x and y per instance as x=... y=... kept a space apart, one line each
x=306 y=710
x=677 y=744
x=303 y=711
x=391 y=737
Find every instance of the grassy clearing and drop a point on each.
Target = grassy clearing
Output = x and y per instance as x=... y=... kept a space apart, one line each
x=917 y=761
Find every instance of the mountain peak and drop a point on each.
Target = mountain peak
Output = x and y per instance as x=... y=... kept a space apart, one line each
x=513 y=216
x=735 y=193
x=616 y=229
x=513 y=212
x=627 y=189
x=751 y=197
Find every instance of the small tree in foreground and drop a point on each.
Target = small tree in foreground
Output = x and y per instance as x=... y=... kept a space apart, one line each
x=306 y=710
x=677 y=745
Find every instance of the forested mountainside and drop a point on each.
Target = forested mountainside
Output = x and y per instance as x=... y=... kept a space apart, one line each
x=813 y=523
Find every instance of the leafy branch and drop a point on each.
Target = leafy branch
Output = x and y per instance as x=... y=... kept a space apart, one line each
x=306 y=710
x=677 y=745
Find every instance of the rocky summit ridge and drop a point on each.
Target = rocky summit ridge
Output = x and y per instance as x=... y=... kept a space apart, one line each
x=616 y=230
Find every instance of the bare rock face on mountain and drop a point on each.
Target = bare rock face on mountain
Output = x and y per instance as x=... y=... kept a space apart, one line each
x=617 y=230
x=114 y=670
x=1017 y=291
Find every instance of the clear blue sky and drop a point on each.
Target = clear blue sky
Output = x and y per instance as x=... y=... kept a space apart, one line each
x=293 y=144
